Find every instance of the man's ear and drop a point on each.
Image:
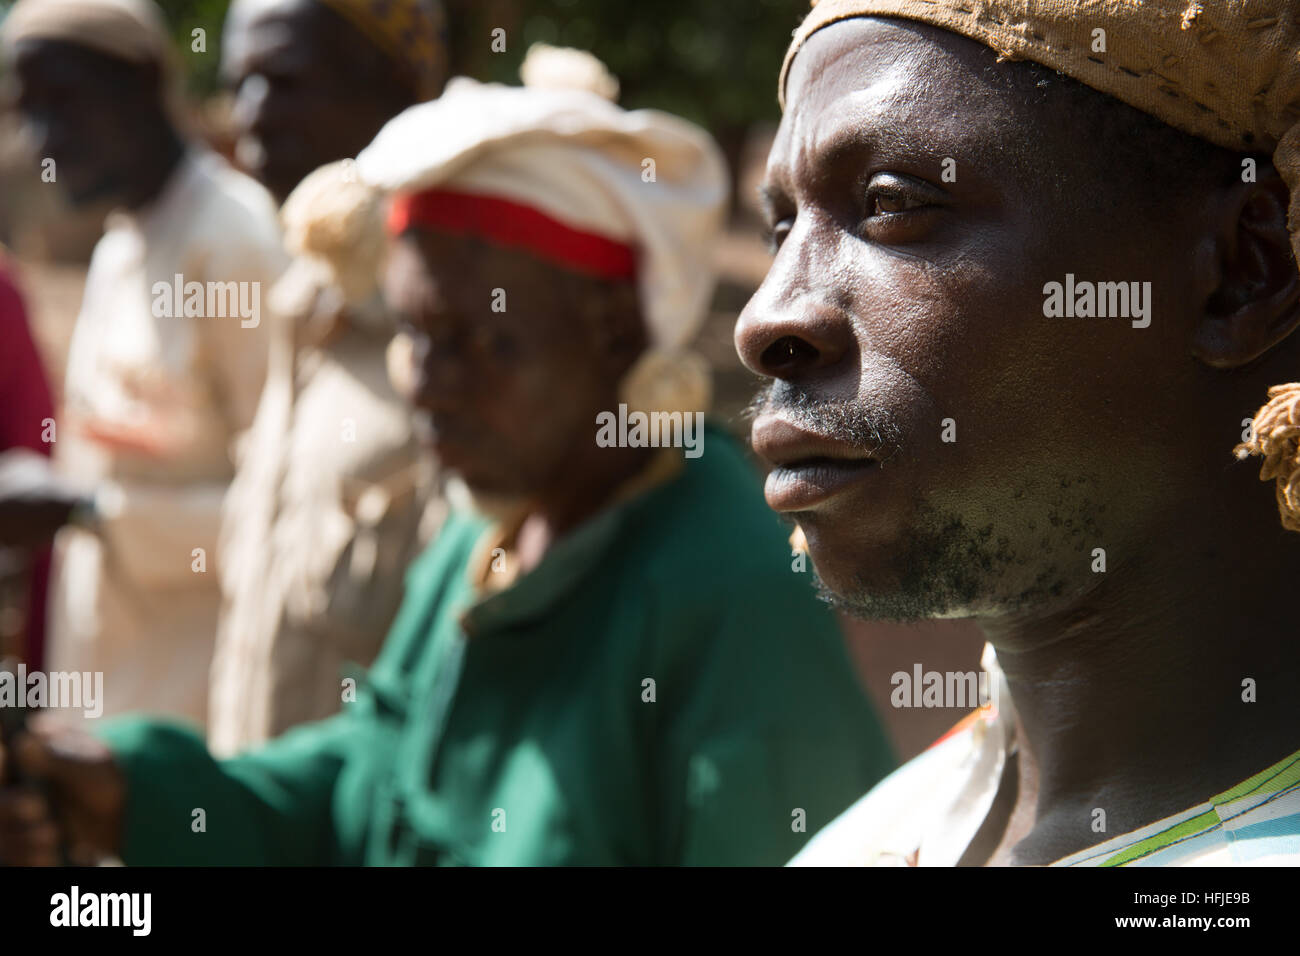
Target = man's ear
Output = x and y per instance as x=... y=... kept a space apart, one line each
x=1255 y=302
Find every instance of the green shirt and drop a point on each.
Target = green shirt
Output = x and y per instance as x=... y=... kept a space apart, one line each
x=523 y=728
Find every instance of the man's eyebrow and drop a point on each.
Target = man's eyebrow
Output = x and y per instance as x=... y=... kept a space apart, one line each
x=283 y=60
x=891 y=127
x=858 y=139
x=274 y=45
x=863 y=129
x=848 y=140
x=772 y=197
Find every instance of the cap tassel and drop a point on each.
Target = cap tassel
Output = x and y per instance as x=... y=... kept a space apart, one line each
x=1276 y=438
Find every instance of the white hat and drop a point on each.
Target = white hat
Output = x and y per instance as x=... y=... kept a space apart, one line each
x=131 y=30
x=643 y=178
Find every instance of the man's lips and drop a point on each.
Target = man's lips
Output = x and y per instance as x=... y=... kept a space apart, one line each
x=783 y=444
x=807 y=468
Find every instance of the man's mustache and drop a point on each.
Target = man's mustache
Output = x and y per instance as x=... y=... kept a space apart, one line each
x=869 y=427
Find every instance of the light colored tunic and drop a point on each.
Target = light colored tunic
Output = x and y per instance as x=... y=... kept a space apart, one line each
x=154 y=401
x=321 y=522
x=927 y=812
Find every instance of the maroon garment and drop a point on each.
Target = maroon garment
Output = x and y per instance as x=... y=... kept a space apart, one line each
x=25 y=404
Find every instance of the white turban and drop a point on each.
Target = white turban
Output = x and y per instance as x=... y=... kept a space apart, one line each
x=131 y=30
x=643 y=178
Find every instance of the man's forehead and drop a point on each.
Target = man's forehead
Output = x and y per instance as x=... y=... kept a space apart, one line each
x=59 y=63
x=36 y=53
x=260 y=30
x=871 y=80
x=432 y=253
x=243 y=12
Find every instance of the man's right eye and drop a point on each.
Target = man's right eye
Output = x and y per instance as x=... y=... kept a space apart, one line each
x=776 y=234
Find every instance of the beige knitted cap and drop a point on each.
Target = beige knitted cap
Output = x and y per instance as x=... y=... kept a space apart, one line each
x=1225 y=71
x=131 y=30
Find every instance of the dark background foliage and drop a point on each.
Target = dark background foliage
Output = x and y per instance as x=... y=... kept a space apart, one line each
x=712 y=61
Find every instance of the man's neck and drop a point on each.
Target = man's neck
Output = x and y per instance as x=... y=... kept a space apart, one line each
x=157 y=165
x=1173 y=680
x=587 y=488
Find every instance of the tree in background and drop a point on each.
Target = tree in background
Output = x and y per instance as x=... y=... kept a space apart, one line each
x=714 y=62
x=201 y=59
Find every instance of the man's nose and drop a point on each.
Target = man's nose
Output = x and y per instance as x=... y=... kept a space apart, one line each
x=792 y=328
x=442 y=378
x=40 y=132
x=252 y=104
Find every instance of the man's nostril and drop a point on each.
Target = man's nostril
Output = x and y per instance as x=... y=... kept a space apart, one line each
x=788 y=352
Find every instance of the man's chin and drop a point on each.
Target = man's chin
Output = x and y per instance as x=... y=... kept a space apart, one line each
x=495 y=506
x=85 y=195
x=890 y=604
x=900 y=578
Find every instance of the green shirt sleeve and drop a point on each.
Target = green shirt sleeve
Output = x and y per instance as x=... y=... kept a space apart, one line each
x=270 y=806
x=306 y=798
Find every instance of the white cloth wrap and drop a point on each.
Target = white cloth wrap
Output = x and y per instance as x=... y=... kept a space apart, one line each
x=643 y=177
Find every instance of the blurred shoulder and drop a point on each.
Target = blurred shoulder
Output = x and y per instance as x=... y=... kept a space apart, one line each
x=448 y=552
x=234 y=206
x=709 y=532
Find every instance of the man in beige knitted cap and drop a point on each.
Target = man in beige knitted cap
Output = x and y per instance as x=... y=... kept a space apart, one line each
x=1013 y=325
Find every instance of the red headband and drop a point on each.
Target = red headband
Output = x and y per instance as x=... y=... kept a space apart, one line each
x=514 y=225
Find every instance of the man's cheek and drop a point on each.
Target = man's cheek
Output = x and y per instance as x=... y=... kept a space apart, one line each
x=519 y=415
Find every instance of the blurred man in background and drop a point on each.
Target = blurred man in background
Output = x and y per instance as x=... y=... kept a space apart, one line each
x=169 y=351
x=325 y=511
x=314 y=80
x=606 y=657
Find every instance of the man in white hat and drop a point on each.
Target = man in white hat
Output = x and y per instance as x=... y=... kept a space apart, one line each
x=169 y=351
x=608 y=659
